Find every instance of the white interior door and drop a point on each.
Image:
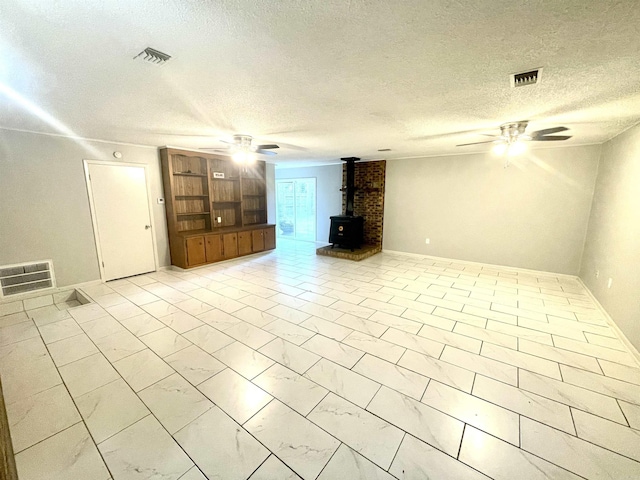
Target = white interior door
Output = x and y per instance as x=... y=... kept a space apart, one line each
x=122 y=221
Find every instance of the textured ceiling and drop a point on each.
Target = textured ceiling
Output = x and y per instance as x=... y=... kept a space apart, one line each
x=322 y=78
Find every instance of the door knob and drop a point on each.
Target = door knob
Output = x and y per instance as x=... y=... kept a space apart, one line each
x=147 y=227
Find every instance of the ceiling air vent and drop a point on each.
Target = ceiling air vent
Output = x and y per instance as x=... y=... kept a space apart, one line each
x=26 y=277
x=525 y=78
x=153 y=56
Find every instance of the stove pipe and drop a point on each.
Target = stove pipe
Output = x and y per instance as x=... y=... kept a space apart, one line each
x=350 y=187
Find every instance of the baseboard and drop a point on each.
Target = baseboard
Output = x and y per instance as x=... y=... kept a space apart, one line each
x=632 y=349
x=469 y=262
x=406 y=254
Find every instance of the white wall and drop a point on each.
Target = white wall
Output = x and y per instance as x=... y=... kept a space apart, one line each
x=613 y=239
x=532 y=214
x=329 y=198
x=44 y=206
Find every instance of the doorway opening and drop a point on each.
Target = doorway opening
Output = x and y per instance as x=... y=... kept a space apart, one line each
x=296 y=208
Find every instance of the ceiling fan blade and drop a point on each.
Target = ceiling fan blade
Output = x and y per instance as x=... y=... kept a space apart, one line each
x=265 y=152
x=553 y=138
x=267 y=147
x=548 y=131
x=474 y=143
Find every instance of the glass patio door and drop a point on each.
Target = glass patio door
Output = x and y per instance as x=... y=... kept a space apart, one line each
x=296 y=208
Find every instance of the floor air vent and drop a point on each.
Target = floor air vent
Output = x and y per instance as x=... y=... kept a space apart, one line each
x=26 y=277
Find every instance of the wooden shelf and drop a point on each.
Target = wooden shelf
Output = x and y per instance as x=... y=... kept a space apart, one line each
x=186 y=174
x=196 y=199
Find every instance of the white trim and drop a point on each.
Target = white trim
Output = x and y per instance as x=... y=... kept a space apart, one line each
x=94 y=221
x=469 y=262
x=204 y=152
x=290 y=164
x=407 y=254
x=195 y=150
x=294 y=163
x=623 y=131
x=632 y=349
x=77 y=137
x=531 y=149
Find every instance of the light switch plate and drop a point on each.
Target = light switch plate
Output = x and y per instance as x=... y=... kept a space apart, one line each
x=161 y=201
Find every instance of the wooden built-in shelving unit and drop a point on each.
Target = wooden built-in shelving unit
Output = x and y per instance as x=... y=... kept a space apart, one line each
x=215 y=209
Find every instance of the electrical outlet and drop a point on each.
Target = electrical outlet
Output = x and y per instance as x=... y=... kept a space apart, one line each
x=610 y=282
x=161 y=201
x=427 y=241
x=597 y=273
x=219 y=219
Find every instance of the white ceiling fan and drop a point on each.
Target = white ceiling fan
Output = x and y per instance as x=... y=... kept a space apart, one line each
x=511 y=133
x=512 y=138
x=242 y=149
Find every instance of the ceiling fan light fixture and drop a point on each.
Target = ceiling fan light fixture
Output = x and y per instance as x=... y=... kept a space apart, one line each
x=244 y=156
x=516 y=148
x=499 y=148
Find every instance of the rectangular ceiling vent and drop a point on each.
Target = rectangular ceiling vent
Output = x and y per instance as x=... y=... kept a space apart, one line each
x=153 y=56
x=525 y=78
x=26 y=277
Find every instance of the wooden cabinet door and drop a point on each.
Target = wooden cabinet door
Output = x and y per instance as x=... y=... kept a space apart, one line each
x=270 y=238
x=258 y=240
x=195 y=251
x=230 y=245
x=244 y=243
x=213 y=247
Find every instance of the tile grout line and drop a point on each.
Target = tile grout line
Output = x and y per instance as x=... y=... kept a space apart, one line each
x=475 y=374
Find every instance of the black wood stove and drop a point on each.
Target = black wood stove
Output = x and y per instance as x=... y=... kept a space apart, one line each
x=347 y=230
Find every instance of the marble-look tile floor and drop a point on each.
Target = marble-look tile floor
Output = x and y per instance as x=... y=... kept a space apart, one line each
x=288 y=365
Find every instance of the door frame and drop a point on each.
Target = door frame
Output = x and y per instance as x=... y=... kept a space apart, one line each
x=315 y=213
x=94 y=222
